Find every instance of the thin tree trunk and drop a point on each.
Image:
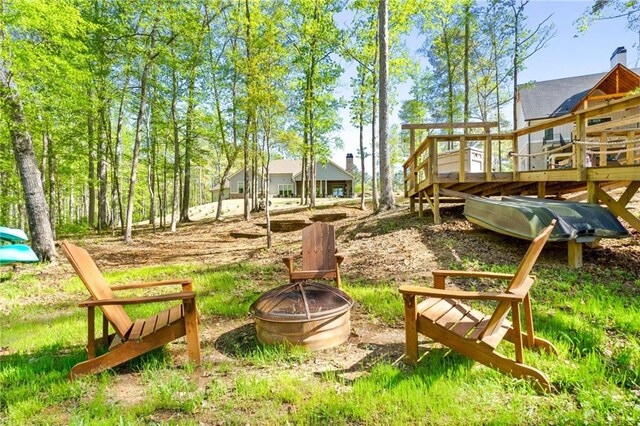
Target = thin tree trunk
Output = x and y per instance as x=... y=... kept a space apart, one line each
x=45 y=153
x=361 y=128
x=102 y=169
x=247 y=214
x=516 y=60
x=386 y=183
x=467 y=17
x=52 y=185
x=116 y=158
x=374 y=186
x=151 y=173
x=136 y=146
x=186 y=189
x=176 y=153
x=92 y=172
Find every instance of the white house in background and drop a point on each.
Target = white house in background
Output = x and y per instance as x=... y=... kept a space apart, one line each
x=542 y=100
x=285 y=179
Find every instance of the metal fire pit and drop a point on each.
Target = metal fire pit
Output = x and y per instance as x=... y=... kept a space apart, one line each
x=309 y=314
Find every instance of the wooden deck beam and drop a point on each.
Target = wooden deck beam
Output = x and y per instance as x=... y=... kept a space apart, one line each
x=618 y=209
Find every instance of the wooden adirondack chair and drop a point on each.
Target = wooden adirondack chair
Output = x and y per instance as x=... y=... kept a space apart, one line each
x=130 y=339
x=320 y=258
x=456 y=325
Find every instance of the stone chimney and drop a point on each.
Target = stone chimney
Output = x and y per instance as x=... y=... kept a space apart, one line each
x=349 y=163
x=619 y=56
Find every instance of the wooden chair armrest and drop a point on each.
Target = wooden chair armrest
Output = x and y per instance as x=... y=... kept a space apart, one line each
x=473 y=274
x=459 y=294
x=185 y=295
x=339 y=258
x=183 y=282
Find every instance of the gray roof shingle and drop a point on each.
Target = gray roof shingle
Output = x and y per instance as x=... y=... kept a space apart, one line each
x=553 y=98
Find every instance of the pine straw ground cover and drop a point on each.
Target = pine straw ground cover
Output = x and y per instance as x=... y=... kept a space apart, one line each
x=591 y=315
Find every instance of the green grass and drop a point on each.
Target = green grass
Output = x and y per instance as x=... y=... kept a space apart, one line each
x=591 y=315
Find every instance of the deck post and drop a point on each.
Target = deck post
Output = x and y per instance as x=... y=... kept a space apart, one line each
x=542 y=189
x=575 y=254
x=514 y=159
x=592 y=192
x=420 y=204
x=436 y=204
x=603 y=149
x=630 y=145
x=487 y=158
x=433 y=159
x=412 y=205
x=462 y=152
x=412 y=141
x=581 y=150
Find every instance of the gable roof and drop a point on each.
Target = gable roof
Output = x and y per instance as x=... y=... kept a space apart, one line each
x=289 y=167
x=298 y=176
x=553 y=98
x=285 y=166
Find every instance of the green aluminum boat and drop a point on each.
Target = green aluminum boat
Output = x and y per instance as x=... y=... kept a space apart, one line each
x=17 y=253
x=525 y=217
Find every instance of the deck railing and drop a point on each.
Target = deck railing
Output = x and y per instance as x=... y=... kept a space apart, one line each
x=590 y=146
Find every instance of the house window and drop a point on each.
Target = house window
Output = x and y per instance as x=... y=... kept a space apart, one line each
x=241 y=187
x=548 y=134
x=285 y=190
x=593 y=121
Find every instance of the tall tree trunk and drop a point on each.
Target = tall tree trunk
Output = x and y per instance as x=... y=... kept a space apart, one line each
x=37 y=208
x=265 y=184
x=136 y=146
x=361 y=129
x=92 y=171
x=312 y=148
x=176 y=153
x=516 y=58
x=303 y=176
x=103 y=220
x=374 y=186
x=151 y=179
x=52 y=185
x=186 y=189
x=467 y=17
x=247 y=214
x=386 y=182
x=255 y=172
x=45 y=153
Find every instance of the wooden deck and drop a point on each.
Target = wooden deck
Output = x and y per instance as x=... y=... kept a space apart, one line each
x=585 y=164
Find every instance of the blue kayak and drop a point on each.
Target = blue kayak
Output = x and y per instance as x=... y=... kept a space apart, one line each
x=17 y=253
x=12 y=235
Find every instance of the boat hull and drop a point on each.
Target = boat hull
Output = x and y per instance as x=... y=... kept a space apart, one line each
x=12 y=235
x=17 y=253
x=525 y=218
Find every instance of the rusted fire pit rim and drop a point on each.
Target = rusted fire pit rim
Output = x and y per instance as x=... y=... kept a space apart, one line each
x=304 y=317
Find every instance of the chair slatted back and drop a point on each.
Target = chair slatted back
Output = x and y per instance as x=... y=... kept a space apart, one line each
x=318 y=247
x=92 y=278
x=521 y=282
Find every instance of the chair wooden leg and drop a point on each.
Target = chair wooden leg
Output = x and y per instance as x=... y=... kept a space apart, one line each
x=528 y=315
x=411 y=331
x=191 y=325
x=91 y=337
x=515 y=312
